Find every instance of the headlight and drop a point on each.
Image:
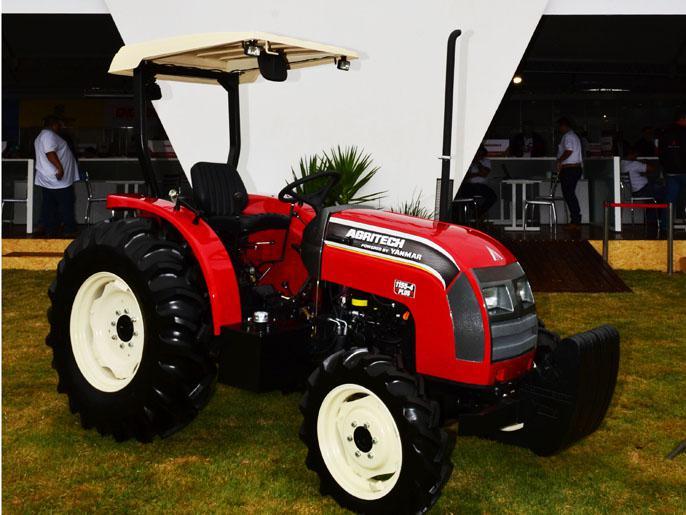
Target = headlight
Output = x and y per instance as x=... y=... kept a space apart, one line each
x=523 y=291
x=498 y=300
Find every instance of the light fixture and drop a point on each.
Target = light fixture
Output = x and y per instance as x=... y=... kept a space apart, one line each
x=250 y=48
x=517 y=79
x=343 y=64
x=497 y=299
x=606 y=90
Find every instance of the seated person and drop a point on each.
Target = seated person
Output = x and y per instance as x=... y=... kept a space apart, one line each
x=642 y=179
x=475 y=184
x=641 y=174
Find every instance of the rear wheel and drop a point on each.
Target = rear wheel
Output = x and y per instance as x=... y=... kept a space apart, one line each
x=372 y=437
x=127 y=328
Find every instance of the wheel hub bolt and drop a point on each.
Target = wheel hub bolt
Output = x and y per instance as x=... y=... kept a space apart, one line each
x=126 y=311
x=357 y=454
x=117 y=312
x=370 y=456
x=350 y=438
x=113 y=323
x=130 y=344
x=114 y=336
x=121 y=345
x=366 y=426
x=374 y=441
x=353 y=424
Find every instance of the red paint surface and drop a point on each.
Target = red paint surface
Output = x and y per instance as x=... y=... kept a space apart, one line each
x=282 y=267
x=435 y=341
x=208 y=250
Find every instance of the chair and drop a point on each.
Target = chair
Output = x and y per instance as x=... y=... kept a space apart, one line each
x=625 y=187
x=90 y=198
x=220 y=195
x=11 y=201
x=466 y=204
x=548 y=201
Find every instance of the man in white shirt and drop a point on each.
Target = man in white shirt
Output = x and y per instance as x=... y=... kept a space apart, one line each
x=56 y=172
x=475 y=184
x=569 y=162
x=641 y=179
x=638 y=172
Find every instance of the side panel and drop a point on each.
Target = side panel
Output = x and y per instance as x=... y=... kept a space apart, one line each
x=435 y=348
x=280 y=262
x=208 y=249
x=396 y=264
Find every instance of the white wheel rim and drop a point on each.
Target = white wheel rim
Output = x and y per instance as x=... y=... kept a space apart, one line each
x=107 y=332
x=348 y=418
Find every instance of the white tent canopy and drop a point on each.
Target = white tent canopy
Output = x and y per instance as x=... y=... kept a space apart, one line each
x=226 y=52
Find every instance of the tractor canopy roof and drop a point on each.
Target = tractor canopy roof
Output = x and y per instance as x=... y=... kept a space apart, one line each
x=225 y=52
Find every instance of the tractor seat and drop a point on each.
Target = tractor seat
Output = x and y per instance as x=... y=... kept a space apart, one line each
x=219 y=192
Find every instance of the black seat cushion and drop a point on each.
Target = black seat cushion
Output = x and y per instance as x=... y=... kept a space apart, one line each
x=219 y=192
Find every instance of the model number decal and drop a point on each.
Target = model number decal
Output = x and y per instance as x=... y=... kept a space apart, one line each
x=404 y=289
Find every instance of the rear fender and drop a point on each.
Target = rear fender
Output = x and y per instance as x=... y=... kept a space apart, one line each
x=209 y=251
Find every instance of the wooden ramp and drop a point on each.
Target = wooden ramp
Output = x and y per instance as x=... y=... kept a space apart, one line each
x=565 y=266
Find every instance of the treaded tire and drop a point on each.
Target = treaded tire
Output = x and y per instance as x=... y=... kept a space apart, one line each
x=175 y=377
x=426 y=448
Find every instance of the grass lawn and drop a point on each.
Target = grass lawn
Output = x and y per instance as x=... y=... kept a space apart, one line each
x=243 y=452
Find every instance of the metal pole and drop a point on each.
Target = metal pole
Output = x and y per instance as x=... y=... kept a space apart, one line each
x=230 y=84
x=29 y=197
x=444 y=214
x=616 y=180
x=606 y=231
x=140 y=106
x=670 y=239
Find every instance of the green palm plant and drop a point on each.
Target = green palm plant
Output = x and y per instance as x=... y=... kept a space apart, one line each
x=413 y=207
x=356 y=169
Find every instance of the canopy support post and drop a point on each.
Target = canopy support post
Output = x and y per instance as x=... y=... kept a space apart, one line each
x=230 y=84
x=140 y=105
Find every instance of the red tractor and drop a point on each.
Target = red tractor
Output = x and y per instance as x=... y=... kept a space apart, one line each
x=392 y=324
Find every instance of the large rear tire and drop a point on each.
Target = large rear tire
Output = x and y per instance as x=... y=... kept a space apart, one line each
x=372 y=437
x=128 y=324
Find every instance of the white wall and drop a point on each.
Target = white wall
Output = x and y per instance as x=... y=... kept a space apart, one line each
x=390 y=103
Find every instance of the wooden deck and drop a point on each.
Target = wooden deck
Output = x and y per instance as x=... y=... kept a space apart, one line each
x=565 y=266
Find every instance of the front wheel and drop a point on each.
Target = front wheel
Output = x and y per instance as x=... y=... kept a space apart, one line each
x=372 y=437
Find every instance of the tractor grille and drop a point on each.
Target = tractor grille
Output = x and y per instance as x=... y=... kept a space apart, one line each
x=511 y=338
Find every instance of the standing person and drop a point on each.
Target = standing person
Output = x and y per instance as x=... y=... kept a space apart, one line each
x=672 y=153
x=527 y=143
x=645 y=146
x=475 y=184
x=56 y=172
x=569 y=161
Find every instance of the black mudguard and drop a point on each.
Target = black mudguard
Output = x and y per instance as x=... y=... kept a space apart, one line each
x=567 y=395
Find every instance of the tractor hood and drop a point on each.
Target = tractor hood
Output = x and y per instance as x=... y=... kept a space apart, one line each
x=442 y=249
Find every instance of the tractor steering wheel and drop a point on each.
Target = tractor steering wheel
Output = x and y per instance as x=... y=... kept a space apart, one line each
x=293 y=193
